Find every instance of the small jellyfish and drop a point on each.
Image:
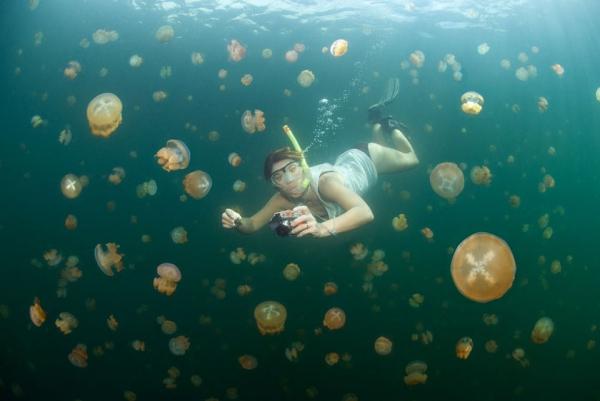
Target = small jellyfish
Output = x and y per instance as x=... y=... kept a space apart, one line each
x=400 y=222
x=305 y=78
x=179 y=235
x=542 y=104
x=483 y=48
x=542 y=330
x=463 y=348
x=247 y=79
x=335 y=319
x=174 y=156
x=248 y=362
x=197 y=184
x=117 y=175
x=108 y=258
x=291 y=56
x=65 y=136
x=71 y=222
x=36 y=314
x=236 y=51
x=71 y=186
x=291 y=271
x=383 y=346
x=299 y=47
x=234 y=159
x=252 y=123
x=471 y=103
x=169 y=276
x=179 y=345
x=112 y=323
x=37 y=121
x=267 y=53
x=505 y=64
x=481 y=175
x=359 y=251
x=338 y=48
x=197 y=58
x=483 y=267
x=558 y=70
x=239 y=186
x=330 y=288
x=522 y=74
x=598 y=94
x=78 y=356
x=104 y=114
x=159 y=96
x=66 y=322
x=447 y=180
x=415 y=373
x=417 y=58
x=270 y=317
x=332 y=358
x=72 y=69
x=164 y=33
x=135 y=61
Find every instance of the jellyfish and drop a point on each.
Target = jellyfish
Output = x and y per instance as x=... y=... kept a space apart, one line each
x=197 y=184
x=159 y=96
x=359 y=251
x=239 y=186
x=70 y=185
x=338 y=48
x=247 y=79
x=558 y=70
x=330 y=288
x=174 y=156
x=270 y=317
x=305 y=78
x=522 y=74
x=491 y=346
x=37 y=121
x=72 y=69
x=481 y=175
x=150 y=187
x=36 y=314
x=244 y=290
x=542 y=104
x=179 y=345
x=471 y=103
x=415 y=373
x=514 y=201
x=598 y=94
x=78 y=356
x=447 y=180
x=427 y=233
x=267 y=53
x=483 y=48
x=332 y=358
x=65 y=136
x=222 y=73
x=483 y=267
x=169 y=276
x=138 y=345
x=383 y=346
x=505 y=64
x=291 y=56
x=135 y=61
x=417 y=58
x=112 y=322
x=108 y=258
x=165 y=71
x=518 y=354
x=335 y=319
x=52 y=257
x=252 y=123
x=464 y=346
x=117 y=175
x=542 y=330
x=236 y=51
x=291 y=271
x=179 y=235
x=71 y=222
x=66 y=322
x=102 y=36
x=400 y=222
x=164 y=33
x=237 y=256
x=248 y=362
x=168 y=327
x=104 y=114
x=196 y=380
x=234 y=159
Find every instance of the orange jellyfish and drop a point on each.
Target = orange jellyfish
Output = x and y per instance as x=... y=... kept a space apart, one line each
x=78 y=356
x=252 y=123
x=330 y=288
x=305 y=78
x=117 y=175
x=542 y=330
x=558 y=70
x=36 y=313
x=71 y=186
x=104 y=114
x=417 y=58
x=247 y=79
x=169 y=276
x=400 y=223
x=72 y=69
x=197 y=184
x=464 y=346
x=66 y=322
x=270 y=317
x=415 y=373
x=335 y=319
x=383 y=346
x=179 y=235
x=236 y=51
x=338 y=48
x=248 y=362
x=234 y=159
x=291 y=56
x=71 y=222
x=447 y=180
x=332 y=358
x=108 y=258
x=179 y=345
x=291 y=271
x=483 y=267
x=239 y=186
x=481 y=175
x=471 y=103
x=174 y=156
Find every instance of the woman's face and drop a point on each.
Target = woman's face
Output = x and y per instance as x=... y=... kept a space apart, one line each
x=288 y=177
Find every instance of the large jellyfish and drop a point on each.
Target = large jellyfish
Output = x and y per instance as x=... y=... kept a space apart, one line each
x=104 y=114
x=270 y=317
x=483 y=267
x=447 y=180
x=108 y=258
x=174 y=156
x=197 y=184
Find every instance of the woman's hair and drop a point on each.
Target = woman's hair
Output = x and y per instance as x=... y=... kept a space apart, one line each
x=278 y=155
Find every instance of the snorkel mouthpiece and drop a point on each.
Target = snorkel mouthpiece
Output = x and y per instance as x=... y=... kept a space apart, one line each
x=297 y=148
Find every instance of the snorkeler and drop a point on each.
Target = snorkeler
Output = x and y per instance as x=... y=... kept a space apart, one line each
x=325 y=199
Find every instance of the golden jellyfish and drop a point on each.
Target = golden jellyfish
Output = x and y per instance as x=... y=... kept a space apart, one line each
x=542 y=104
x=514 y=201
x=427 y=233
x=108 y=259
x=72 y=69
x=463 y=348
x=65 y=136
x=481 y=175
x=383 y=346
x=135 y=61
x=558 y=70
x=332 y=358
x=270 y=317
x=239 y=186
x=267 y=53
x=299 y=47
x=542 y=330
x=415 y=373
x=52 y=257
x=179 y=235
x=117 y=175
x=522 y=74
x=518 y=354
x=335 y=319
x=338 y=48
x=243 y=290
x=483 y=267
x=234 y=159
x=104 y=114
x=471 y=103
x=112 y=322
x=179 y=345
x=79 y=356
x=237 y=256
x=359 y=251
x=66 y=322
x=291 y=271
x=169 y=276
x=164 y=33
x=447 y=180
x=159 y=96
x=236 y=51
x=71 y=222
x=197 y=58
x=417 y=58
x=37 y=121
x=252 y=123
x=71 y=186
x=247 y=79
x=491 y=346
x=483 y=48
x=102 y=36
x=505 y=64
x=305 y=78
x=174 y=156
x=36 y=314
x=197 y=184
x=248 y=362
x=291 y=56
x=330 y=288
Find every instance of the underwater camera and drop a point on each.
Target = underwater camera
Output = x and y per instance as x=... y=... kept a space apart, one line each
x=281 y=222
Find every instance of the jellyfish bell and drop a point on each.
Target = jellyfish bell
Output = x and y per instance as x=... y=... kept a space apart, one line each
x=71 y=186
x=471 y=103
x=270 y=317
x=305 y=78
x=164 y=33
x=37 y=315
x=108 y=258
x=447 y=180
x=483 y=267
x=542 y=330
x=248 y=362
x=234 y=159
x=291 y=56
x=104 y=114
x=335 y=319
x=78 y=356
x=558 y=70
x=236 y=51
x=267 y=53
x=383 y=346
x=197 y=184
x=338 y=48
x=463 y=348
x=179 y=345
x=150 y=187
x=135 y=61
x=174 y=156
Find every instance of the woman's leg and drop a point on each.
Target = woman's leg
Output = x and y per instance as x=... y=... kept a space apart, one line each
x=389 y=159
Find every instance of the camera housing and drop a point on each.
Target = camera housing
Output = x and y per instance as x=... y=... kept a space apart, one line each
x=281 y=222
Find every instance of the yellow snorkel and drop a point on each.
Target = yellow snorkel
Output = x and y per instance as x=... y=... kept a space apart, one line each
x=297 y=148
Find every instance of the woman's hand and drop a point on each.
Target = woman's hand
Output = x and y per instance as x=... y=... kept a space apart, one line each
x=229 y=218
x=306 y=224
